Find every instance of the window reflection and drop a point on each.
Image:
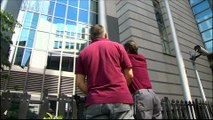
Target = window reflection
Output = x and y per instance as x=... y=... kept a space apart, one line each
x=84 y=4
x=58 y=26
x=94 y=6
x=31 y=38
x=27 y=38
x=207 y=35
x=73 y=2
x=23 y=37
x=62 y=1
x=24 y=4
x=34 y=5
x=44 y=23
x=72 y=13
x=93 y=18
x=70 y=29
x=48 y=7
x=22 y=57
x=60 y=10
x=204 y=15
x=53 y=61
x=194 y=2
x=41 y=41
x=200 y=7
x=57 y=44
x=31 y=20
x=83 y=16
x=205 y=25
x=67 y=63
x=209 y=46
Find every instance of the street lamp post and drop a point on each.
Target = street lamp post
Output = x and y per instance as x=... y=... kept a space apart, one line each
x=193 y=57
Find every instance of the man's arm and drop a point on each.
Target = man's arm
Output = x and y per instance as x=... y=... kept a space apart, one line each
x=80 y=82
x=128 y=75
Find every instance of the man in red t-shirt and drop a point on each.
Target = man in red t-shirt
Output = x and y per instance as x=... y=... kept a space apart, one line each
x=146 y=102
x=107 y=68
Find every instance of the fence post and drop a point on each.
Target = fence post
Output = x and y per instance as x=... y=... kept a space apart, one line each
x=180 y=115
x=174 y=109
x=74 y=106
x=23 y=105
x=163 y=104
x=168 y=108
x=5 y=104
x=44 y=105
x=62 y=105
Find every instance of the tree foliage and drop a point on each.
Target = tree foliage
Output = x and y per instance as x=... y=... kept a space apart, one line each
x=7 y=29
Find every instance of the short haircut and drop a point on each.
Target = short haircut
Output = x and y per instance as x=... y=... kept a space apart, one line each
x=96 y=31
x=131 y=47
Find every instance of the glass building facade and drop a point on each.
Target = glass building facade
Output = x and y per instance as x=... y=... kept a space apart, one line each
x=52 y=33
x=202 y=10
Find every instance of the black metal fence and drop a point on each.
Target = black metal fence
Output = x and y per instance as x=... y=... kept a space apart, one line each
x=16 y=105
x=175 y=109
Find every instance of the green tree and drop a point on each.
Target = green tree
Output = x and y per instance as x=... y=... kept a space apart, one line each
x=7 y=29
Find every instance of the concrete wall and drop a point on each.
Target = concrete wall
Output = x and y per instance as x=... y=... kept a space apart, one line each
x=137 y=21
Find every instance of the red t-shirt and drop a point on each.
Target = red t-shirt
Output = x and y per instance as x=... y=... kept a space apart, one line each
x=102 y=62
x=141 y=78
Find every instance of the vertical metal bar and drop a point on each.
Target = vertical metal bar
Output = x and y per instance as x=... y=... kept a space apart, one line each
x=102 y=14
x=181 y=67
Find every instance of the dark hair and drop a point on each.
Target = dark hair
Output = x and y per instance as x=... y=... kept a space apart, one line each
x=131 y=47
x=96 y=31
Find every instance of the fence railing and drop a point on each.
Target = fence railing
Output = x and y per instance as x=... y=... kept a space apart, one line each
x=16 y=105
x=175 y=109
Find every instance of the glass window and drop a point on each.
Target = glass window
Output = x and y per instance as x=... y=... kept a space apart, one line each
x=83 y=16
x=55 y=44
x=48 y=7
x=73 y=2
x=209 y=46
x=71 y=28
x=84 y=4
x=19 y=56
x=34 y=20
x=41 y=41
x=28 y=19
x=25 y=4
x=31 y=38
x=72 y=13
x=194 y=2
x=60 y=10
x=23 y=37
x=58 y=25
x=93 y=18
x=161 y=27
x=94 y=6
x=62 y=1
x=204 y=15
x=26 y=57
x=44 y=23
x=207 y=35
x=67 y=63
x=72 y=45
x=34 y=5
x=202 y=6
x=60 y=44
x=205 y=25
x=22 y=57
x=53 y=61
x=21 y=16
x=67 y=45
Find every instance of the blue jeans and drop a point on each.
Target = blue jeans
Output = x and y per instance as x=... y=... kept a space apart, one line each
x=146 y=105
x=109 y=111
